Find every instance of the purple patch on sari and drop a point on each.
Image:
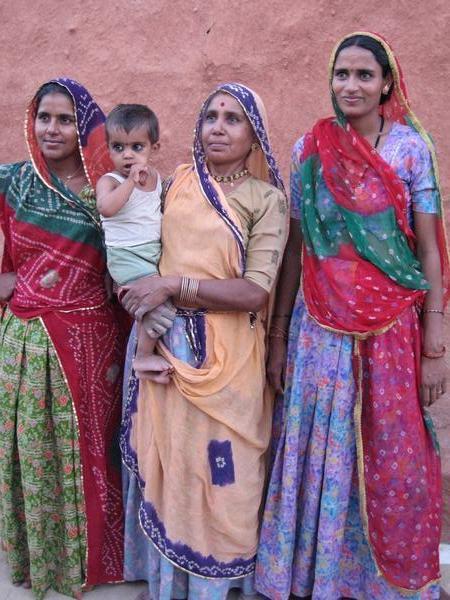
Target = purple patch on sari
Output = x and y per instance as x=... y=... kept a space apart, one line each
x=220 y=458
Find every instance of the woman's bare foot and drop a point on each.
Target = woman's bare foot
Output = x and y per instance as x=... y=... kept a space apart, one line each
x=79 y=594
x=153 y=367
x=25 y=583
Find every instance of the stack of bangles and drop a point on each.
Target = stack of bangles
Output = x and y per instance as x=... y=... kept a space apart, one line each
x=440 y=353
x=188 y=291
x=279 y=332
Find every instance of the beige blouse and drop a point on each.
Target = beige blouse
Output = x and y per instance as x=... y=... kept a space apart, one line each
x=262 y=211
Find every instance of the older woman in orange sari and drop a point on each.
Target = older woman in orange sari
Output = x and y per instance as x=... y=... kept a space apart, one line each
x=197 y=445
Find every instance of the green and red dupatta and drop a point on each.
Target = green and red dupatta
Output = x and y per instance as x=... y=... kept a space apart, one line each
x=361 y=277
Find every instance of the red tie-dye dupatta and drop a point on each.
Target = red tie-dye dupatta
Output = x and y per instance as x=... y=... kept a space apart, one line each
x=53 y=242
x=361 y=277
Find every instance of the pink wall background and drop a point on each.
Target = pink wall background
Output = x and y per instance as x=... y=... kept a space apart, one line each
x=171 y=53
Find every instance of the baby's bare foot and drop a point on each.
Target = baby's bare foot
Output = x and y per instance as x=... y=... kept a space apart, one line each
x=154 y=367
x=151 y=363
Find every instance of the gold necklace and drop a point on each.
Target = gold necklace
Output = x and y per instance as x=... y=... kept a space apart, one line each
x=230 y=178
x=72 y=175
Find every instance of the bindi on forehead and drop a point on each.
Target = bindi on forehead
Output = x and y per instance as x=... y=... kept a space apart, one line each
x=222 y=103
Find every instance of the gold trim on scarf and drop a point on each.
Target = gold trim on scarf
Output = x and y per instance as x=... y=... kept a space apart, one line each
x=80 y=150
x=72 y=310
x=357 y=415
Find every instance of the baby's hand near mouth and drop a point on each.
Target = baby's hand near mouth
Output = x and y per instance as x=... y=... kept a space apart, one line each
x=139 y=173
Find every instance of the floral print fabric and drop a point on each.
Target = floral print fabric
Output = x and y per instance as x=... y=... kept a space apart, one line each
x=42 y=512
x=312 y=539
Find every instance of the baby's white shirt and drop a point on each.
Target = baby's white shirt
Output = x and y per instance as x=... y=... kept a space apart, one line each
x=139 y=219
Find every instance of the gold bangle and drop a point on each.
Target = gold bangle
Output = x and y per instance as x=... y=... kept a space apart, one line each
x=182 y=293
x=192 y=290
x=281 y=336
x=277 y=328
x=278 y=332
x=188 y=290
x=433 y=310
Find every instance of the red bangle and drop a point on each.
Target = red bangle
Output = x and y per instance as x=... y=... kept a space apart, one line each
x=434 y=354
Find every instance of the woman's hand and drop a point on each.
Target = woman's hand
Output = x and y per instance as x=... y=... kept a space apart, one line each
x=159 y=320
x=147 y=293
x=7 y=285
x=433 y=380
x=276 y=364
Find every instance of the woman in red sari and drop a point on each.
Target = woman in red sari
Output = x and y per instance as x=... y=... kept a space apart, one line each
x=60 y=356
x=354 y=501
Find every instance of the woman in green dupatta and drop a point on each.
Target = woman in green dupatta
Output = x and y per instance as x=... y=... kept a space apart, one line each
x=354 y=501
x=60 y=356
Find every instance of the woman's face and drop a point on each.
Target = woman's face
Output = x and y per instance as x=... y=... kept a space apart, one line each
x=55 y=127
x=358 y=82
x=226 y=133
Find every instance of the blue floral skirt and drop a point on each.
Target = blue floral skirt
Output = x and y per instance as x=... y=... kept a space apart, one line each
x=312 y=539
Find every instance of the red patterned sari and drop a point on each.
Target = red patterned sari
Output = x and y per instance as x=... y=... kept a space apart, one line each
x=53 y=242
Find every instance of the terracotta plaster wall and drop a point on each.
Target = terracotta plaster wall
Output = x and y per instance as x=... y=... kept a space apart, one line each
x=170 y=54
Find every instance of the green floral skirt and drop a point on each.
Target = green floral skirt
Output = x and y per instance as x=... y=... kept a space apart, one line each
x=41 y=494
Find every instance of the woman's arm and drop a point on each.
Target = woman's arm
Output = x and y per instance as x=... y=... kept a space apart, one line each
x=433 y=370
x=228 y=294
x=248 y=293
x=287 y=289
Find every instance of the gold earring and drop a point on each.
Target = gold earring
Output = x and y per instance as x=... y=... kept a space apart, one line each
x=386 y=89
x=255 y=146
